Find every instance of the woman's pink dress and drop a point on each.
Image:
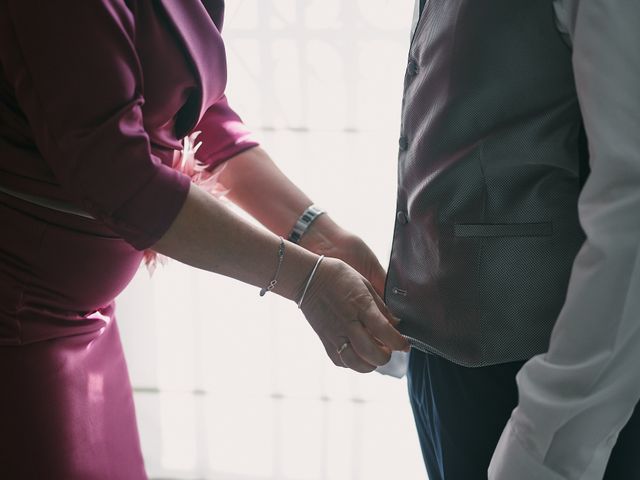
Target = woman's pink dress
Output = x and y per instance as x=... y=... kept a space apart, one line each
x=95 y=96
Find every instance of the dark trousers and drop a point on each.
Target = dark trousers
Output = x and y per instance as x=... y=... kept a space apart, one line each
x=460 y=413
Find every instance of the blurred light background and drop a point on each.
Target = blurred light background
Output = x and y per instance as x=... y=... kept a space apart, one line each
x=232 y=386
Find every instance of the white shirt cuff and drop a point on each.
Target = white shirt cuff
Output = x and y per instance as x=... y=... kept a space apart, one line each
x=511 y=460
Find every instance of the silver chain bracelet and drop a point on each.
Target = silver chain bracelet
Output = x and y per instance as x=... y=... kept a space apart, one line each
x=274 y=281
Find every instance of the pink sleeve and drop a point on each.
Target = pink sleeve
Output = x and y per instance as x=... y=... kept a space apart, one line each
x=223 y=135
x=77 y=78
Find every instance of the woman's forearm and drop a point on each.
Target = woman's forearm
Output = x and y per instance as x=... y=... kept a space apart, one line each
x=208 y=235
x=259 y=187
x=340 y=305
x=256 y=184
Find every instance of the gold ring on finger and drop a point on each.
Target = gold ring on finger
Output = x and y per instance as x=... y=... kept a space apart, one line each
x=343 y=347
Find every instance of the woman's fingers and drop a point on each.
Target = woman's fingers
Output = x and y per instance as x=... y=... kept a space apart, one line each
x=332 y=352
x=382 y=306
x=342 y=354
x=377 y=276
x=350 y=318
x=353 y=360
x=366 y=347
x=377 y=319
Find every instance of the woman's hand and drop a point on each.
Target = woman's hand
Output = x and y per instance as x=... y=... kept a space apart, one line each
x=325 y=237
x=354 y=325
x=340 y=304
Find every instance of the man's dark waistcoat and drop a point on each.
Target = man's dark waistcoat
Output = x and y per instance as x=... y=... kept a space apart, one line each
x=491 y=164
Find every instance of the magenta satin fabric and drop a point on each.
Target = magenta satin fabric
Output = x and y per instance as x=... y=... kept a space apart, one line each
x=94 y=98
x=66 y=409
x=97 y=95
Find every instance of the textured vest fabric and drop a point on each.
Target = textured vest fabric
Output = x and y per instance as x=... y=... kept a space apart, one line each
x=491 y=163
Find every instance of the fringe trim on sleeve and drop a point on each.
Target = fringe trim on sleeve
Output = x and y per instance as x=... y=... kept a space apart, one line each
x=185 y=161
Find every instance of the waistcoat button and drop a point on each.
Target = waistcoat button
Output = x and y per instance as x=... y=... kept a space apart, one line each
x=403 y=142
x=412 y=67
x=402 y=218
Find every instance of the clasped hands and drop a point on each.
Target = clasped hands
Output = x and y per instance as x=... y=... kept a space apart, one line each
x=344 y=304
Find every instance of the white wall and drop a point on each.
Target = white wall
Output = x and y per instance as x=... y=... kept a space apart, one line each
x=229 y=385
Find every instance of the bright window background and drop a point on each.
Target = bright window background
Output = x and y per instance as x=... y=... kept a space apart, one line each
x=232 y=386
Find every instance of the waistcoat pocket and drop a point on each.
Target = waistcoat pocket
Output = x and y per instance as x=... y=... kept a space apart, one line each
x=540 y=229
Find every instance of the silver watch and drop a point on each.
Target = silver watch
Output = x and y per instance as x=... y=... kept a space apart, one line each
x=304 y=222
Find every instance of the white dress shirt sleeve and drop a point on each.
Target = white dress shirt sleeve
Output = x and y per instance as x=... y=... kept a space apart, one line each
x=577 y=397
